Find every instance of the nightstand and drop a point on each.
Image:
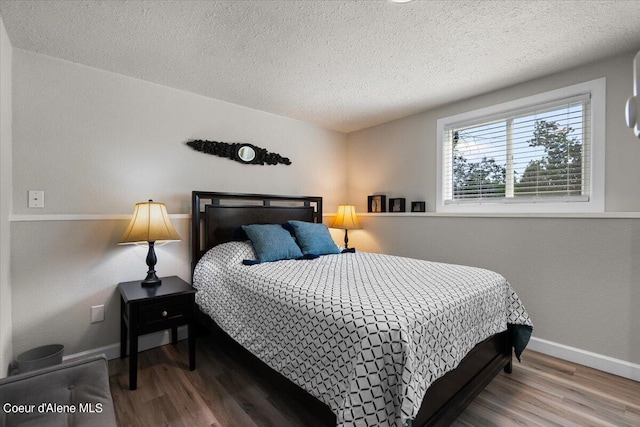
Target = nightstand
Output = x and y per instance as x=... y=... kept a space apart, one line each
x=150 y=309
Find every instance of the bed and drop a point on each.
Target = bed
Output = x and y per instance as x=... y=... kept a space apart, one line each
x=359 y=349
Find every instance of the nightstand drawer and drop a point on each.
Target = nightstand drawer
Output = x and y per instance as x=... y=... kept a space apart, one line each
x=163 y=311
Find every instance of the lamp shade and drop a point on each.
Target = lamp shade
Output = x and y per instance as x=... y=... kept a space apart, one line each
x=346 y=218
x=150 y=223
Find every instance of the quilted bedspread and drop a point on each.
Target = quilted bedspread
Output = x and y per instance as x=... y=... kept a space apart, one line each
x=365 y=333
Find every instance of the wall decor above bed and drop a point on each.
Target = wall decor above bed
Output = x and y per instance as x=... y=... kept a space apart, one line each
x=240 y=152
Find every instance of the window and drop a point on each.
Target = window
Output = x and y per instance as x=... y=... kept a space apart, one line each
x=543 y=153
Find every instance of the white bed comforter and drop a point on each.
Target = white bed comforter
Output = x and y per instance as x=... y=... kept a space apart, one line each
x=365 y=333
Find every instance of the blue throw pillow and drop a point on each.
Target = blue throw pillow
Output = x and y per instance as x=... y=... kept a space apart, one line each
x=313 y=239
x=271 y=242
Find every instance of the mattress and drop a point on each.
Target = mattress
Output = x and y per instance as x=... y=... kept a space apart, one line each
x=365 y=333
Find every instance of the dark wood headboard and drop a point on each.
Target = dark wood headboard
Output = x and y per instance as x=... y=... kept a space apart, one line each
x=216 y=217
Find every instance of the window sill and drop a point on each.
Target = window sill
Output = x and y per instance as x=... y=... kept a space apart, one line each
x=108 y=217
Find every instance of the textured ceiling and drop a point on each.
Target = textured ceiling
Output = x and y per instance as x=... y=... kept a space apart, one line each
x=343 y=65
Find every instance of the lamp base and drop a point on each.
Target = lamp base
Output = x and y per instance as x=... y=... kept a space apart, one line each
x=151 y=280
x=347 y=249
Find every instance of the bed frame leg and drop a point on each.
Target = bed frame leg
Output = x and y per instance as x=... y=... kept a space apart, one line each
x=508 y=368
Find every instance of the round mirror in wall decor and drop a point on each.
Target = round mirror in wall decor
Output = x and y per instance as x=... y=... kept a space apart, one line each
x=246 y=153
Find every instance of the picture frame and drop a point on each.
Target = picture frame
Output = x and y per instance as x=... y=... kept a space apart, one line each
x=397 y=204
x=377 y=203
x=418 y=206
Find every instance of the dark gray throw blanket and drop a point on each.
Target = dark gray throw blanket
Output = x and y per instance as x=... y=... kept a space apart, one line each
x=520 y=335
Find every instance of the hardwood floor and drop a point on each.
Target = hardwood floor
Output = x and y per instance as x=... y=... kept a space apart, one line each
x=545 y=391
x=227 y=389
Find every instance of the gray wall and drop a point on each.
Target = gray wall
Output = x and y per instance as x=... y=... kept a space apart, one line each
x=578 y=277
x=5 y=200
x=97 y=143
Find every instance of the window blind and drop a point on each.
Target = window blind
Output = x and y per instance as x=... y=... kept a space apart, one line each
x=537 y=154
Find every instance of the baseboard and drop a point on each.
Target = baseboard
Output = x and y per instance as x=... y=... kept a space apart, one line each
x=145 y=342
x=597 y=361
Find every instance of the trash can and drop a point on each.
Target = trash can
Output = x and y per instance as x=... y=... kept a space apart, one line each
x=39 y=357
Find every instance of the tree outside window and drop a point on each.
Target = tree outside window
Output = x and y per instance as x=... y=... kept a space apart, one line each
x=520 y=157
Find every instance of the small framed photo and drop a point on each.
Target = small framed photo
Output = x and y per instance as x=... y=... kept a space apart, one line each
x=377 y=203
x=397 y=205
x=418 y=207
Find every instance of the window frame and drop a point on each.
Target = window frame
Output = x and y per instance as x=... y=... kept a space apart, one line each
x=595 y=202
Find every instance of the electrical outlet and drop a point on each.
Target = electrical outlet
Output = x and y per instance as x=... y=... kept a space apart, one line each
x=97 y=313
x=36 y=199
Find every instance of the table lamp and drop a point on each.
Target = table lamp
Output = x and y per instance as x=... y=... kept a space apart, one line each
x=150 y=224
x=346 y=219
